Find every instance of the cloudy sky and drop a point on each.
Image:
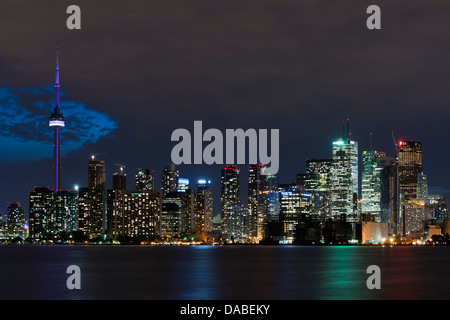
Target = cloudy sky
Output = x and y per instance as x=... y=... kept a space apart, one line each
x=138 y=70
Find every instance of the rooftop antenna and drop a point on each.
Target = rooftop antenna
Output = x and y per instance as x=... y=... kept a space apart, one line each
x=348 y=129
x=370 y=141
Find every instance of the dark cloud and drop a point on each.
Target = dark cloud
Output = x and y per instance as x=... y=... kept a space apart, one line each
x=24 y=124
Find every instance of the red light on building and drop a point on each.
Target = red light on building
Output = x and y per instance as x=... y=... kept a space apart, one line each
x=400 y=143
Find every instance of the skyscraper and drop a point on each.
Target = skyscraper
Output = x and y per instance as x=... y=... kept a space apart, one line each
x=230 y=192
x=295 y=206
x=256 y=202
x=56 y=120
x=173 y=216
x=371 y=183
x=169 y=179
x=344 y=179
x=96 y=174
x=91 y=201
x=318 y=183
x=42 y=213
x=15 y=220
x=237 y=222
x=203 y=209
x=409 y=156
x=132 y=213
x=66 y=210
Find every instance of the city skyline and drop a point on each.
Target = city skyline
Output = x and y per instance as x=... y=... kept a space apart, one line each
x=271 y=75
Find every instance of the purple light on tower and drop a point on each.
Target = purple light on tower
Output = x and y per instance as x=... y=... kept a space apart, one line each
x=56 y=120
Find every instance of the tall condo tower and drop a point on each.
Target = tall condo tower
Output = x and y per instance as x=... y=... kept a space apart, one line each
x=56 y=121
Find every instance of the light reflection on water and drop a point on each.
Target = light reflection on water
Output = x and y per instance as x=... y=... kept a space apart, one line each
x=228 y=272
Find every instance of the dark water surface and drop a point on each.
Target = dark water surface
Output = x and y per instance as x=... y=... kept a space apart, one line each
x=228 y=272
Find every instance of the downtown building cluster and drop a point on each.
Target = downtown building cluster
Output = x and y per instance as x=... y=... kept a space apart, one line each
x=346 y=198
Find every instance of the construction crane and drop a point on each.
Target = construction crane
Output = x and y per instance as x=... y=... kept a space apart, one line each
x=395 y=142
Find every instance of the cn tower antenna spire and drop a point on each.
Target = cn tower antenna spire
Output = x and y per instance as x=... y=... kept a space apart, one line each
x=57 y=82
x=56 y=120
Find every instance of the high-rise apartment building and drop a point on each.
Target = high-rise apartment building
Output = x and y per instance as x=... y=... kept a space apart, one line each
x=91 y=201
x=203 y=209
x=42 y=213
x=257 y=184
x=230 y=192
x=132 y=213
x=169 y=179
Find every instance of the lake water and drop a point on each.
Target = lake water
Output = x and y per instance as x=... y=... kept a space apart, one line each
x=221 y=273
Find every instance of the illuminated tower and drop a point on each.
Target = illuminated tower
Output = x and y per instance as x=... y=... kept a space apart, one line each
x=230 y=192
x=56 y=121
x=169 y=179
x=409 y=167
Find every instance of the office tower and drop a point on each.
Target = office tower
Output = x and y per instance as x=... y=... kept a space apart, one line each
x=409 y=154
x=169 y=179
x=422 y=186
x=15 y=220
x=173 y=215
x=371 y=184
x=257 y=184
x=91 y=201
x=66 y=210
x=237 y=222
x=183 y=184
x=144 y=179
x=230 y=192
x=317 y=182
x=295 y=206
x=42 y=214
x=344 y=179
x=56 y=120
x=379 y=188
x=203 y=209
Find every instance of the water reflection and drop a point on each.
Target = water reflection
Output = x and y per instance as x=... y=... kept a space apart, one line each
x=228 y=272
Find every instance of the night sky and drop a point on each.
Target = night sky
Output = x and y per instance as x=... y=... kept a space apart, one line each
x=137 y=70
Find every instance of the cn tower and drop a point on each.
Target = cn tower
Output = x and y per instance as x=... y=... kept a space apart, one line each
x=56 y=120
